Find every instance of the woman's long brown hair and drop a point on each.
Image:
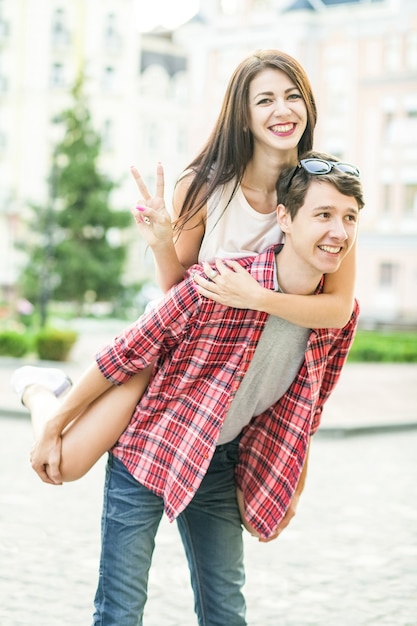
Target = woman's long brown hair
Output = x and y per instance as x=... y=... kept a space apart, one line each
x=229 y=147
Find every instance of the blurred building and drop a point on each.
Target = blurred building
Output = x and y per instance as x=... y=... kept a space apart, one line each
x=154 y=96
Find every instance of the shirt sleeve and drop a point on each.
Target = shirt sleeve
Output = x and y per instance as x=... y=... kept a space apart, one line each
x=154 y=334
x=335 y=362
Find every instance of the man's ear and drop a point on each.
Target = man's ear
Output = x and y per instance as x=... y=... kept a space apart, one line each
x=283 y=218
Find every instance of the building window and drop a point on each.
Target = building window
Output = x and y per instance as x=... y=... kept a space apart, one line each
x=372 y=58
x=387 y=274
x=111 y=35
x=3 y=83
x=181 y=140
x=411 y=51
x=155 y=82
x=151 y=136
x=388 y=125
x=60 y=34
x=180 y=87
x=108 y=78
x=410 y=199
x=172 y=64
x=392 y=53
x=4 y=28
x=386 y=199
x=110 y=26
x=57 y=75
x=107 y=135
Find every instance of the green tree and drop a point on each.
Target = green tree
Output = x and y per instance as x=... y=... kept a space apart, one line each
x=78 y=249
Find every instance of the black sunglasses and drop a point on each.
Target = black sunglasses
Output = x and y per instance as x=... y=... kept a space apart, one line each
x=321 y=166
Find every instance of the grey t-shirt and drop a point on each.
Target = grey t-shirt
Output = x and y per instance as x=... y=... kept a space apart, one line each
x=275 y=364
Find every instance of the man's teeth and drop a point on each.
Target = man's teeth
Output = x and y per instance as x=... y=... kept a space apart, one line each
x=331 y=249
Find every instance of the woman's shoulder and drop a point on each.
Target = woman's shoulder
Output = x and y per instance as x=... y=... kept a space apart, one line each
x=187 y=174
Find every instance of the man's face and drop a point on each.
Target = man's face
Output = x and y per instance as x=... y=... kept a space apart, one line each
x=323 y=231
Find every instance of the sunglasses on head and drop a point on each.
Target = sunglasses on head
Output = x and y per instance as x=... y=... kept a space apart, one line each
x=321 y=166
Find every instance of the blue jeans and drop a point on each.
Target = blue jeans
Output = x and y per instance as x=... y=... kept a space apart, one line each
x=211 y=533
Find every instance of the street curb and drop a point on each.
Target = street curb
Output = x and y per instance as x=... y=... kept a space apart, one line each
x=19 y=413
x=332 y=432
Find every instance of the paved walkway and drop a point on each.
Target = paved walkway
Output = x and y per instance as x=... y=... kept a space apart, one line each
x=347 y=559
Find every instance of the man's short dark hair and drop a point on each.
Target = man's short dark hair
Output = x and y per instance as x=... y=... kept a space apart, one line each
x=293 y=183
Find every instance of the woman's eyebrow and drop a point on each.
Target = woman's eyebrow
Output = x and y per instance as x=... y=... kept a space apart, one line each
x=271 y=93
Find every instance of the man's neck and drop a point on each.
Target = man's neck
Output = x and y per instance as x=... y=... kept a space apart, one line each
x=294 y=277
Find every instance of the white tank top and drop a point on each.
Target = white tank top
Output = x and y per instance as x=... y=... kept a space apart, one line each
x=237 y=231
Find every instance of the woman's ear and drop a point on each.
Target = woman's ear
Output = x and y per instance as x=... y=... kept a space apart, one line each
x=283 y=218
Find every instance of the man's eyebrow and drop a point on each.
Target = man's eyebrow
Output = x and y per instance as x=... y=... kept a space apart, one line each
x=331 y=207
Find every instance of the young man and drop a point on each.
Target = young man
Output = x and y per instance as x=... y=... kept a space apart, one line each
x=233 y=401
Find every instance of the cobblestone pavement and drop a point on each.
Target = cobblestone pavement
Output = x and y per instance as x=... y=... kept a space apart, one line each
x=348 y=559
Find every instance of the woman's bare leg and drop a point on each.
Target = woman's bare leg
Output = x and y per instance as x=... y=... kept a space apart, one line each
x=89 y=436
x=42 y=403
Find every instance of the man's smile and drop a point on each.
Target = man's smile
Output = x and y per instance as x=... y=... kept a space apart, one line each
x=331 y=249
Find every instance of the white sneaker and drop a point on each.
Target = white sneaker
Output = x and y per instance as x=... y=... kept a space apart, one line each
x=53 y=379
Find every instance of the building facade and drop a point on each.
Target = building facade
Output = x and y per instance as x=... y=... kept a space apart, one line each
x=154 y=96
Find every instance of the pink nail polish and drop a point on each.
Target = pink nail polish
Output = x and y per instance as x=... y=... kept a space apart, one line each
x=140 y=208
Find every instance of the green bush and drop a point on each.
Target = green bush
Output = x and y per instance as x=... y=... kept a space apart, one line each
x=388 y=347
x=55 y=345
x=14 y=343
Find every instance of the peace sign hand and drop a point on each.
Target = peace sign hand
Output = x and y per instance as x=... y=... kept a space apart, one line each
x=150 y=213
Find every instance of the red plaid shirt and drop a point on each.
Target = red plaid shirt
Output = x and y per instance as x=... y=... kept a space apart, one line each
x=202 y=351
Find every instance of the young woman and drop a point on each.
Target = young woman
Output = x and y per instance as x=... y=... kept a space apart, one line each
x=224 y=206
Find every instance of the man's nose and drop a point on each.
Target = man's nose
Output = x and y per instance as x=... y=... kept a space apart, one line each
x=338 y=230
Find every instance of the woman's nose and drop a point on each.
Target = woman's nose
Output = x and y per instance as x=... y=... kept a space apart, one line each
x=281 y=107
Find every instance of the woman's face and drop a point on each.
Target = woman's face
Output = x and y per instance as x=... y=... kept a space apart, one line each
x=277 y=111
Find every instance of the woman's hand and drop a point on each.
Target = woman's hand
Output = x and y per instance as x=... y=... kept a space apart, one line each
x=150 y=213
x=230 y=285
x=45 y=456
